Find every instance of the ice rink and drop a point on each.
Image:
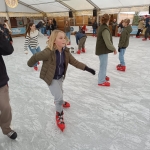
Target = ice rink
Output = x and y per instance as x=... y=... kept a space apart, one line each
x=100 y=118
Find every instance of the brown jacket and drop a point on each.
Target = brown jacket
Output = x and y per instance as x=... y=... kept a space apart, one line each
x=49 y=63
x=67 y=29
x=141 y=25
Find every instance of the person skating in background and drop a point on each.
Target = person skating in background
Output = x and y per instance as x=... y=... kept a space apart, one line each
x=10 y=32
x=54 y=23
x=80 y=40
x=83 y=29
x=40 y=26
x=6 y=32
x=94 y=26
x=114 y=24
x=31 y=41
x=147 y=32
x=104 y=45
x=5 y=108
x=56 y=58
x=67 y=30
x=147 y=19
x=49 y=27
x=140 y=27
x=124 y=43
x=1 y=27
x=120 y=28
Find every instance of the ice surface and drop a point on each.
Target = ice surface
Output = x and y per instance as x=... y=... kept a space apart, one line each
x=100 y=118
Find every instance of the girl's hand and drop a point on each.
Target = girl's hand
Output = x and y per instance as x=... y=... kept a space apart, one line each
x=26 y=52
x=115 y=52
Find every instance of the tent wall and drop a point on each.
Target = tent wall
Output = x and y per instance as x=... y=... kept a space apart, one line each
x=58 y=14
x=11 y=14
x=3 y=14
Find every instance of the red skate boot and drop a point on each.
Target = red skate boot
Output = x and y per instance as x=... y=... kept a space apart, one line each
x=83 y=50
x=66 y=105
x=60 y=121
x=78 y=52
x=35 y=68
x=104 y=84
x=121 y=68
x=107 y=78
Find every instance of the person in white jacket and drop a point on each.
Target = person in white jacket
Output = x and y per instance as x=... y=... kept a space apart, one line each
x=31 y=41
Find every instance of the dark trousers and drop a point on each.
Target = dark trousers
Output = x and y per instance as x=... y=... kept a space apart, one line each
x=113 y=32
x=147 y=32
x=10 y=38
x=138 y=33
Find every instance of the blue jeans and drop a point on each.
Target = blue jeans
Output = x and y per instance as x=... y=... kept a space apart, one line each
x=94 y=31
x=121 y=56
x=34 y=51
x=48 y=32
x=103 y=68
x=43 y=30
x=68 y=35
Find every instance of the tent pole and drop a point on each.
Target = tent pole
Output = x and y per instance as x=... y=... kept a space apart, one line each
x=93 y=4
x=61 y=2
x=29 y=6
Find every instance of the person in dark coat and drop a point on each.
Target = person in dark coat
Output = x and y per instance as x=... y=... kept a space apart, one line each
x=6 y=32
x=114 y=24
x=94 y=26
x=49 y=27
x=54 y=23
x=5 y=108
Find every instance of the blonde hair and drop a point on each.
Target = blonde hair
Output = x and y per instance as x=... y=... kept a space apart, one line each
x=51 y=42
x=126 y=21
x=67 y=40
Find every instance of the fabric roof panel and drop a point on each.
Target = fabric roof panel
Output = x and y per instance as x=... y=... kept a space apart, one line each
x=119 y=3
x=79 y=4
x=29 y=2
x=22 y=8
x=51 y=7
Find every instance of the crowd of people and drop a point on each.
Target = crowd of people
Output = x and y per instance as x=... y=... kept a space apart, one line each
x=56 y=57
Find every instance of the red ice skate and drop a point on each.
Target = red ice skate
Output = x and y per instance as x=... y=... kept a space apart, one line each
x=60 y=121
x=121 y=68
x=104 y=84
x=83 y=50
x=107 y=78
x=35 y=68
x=66 y=105
x=78 y=52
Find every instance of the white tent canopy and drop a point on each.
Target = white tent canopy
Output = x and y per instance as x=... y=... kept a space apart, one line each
x=107 y=4
x=53 y=6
